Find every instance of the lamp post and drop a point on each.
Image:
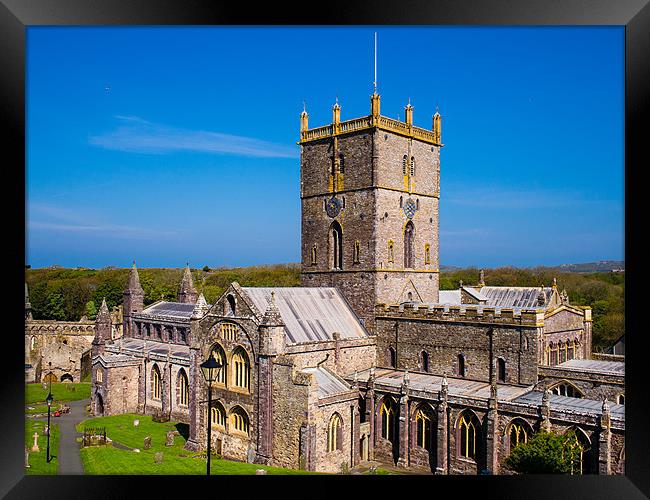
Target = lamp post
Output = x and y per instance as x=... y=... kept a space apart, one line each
x=210 y=368
x=48 y=400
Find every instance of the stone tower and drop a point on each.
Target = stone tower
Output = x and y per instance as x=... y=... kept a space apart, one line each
x=133 y=299
x=103 y=330
x=28 y=305
x=370 y=191
x=187 y=293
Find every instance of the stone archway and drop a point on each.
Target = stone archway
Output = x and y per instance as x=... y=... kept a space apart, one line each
x=50 y=377
x=99 y=405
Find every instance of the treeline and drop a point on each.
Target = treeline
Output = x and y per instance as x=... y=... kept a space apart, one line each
x=69 y=294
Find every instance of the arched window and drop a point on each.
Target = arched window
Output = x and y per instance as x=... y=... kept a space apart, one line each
x=387 y=414
x=466 y=437
x=566 y=389
x=357 y=251
x=401 y=201
x=239 y=420
x=220 y=355
x=517 y=434
x=412 y=166
x=231 y=305
x=241 y=369
x=563 y=349
x=409 y=233
x=427 y=253
x=404 y=162
x=571 y=350
x=409 y=296
x=158 y=332
x=155 y=383
x=182 y=336
x=335 y=433
x=183 y=389
x=461 y=365
x=313 y=256
x=424 y=356
x=99 y=375
x=217 y=415
x=583 y=463
x=424 y=428
x=391 y=251
x=66 y=377
x=501 y=369
x=620 y=399
x=336 y=245
x=229 y=331
x=392 y=357
x=553 y=352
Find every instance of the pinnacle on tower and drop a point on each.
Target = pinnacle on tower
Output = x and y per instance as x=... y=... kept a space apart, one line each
x=200 y=308
x=104 y=314
x=187 y=293
x=272 y=316
x=134 y=280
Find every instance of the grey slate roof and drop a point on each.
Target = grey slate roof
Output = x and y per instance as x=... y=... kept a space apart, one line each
x=328 y=383
x=515 y=296
x=310 y=313
x=578 y=405
x=450 y=297
x=131 y=345
x=594 y=365
x=175 y=310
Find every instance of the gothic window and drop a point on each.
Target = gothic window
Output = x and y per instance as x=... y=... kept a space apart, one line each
x=401 y=201
x=409 y=296
x=231 y=305
x=357 y=251
x=571 y=350
x=412 y=166
x=392 y=357
x=239 y=420
x=461 y=365
x=517 y=434
x=425 y=361
x=155 y=383
x=32 y=343
x=408 y=244
x=583 y=460
x=313 y=256
x=466 y=436
x=391 y=253
x=99 y=375
x=228 y=331
x=553 y=354
x=423 y=419
x=220 y=356
x=183 y=389
x=217 y=415
x=362 y=409
x=501 y=369
x=335 y=433
x=336 y=245
x=404 y=161
x=562 y=347
x=182 y=335
x=620 y=399
x=566 y=389
x=427 y=253
x=147 y=328
x=387 y=414
x=241 y=369
x=158 y=332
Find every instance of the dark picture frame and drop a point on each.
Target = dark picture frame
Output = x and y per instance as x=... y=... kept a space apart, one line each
x=17 y=15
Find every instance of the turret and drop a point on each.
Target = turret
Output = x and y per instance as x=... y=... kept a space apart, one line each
x=133 y=299
x=437 y=125
x=336 y=113
x=272 y=336
x=408 y=113
x=304 y=119
x=187 y=294
x=200 y=308
x=103 y=329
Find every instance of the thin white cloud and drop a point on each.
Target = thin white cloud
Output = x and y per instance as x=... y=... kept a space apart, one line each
x=136 y=135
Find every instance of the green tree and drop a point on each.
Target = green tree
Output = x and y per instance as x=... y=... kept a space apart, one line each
x=545 y=453
x=206 y=269
x=91 y=310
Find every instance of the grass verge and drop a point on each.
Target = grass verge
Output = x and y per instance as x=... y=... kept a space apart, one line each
x=69 y=391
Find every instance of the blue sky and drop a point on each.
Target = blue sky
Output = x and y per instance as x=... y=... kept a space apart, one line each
x=175 y=144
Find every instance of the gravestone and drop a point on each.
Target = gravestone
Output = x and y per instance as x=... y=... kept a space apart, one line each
x=170 y=438
x=26 y=457
x=136 y=450
x=260 y=472
x=158 y=457
x=147 y=442
x=35 y=447
x=136 y=422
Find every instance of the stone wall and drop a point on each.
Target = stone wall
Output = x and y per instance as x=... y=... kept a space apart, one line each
x=320 y=414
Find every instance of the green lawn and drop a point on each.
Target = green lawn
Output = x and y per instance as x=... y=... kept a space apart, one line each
x=38 y=409
x=69 y=391
x=37 y=460
x=176 y=460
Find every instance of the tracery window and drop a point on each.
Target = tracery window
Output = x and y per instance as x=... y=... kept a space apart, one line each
x=409 y=231
x=357 y=251
x=228 y=331
x=155 y=383
x=517 y=434
x=467 y=427
x=239 y=420
x=582 y=463
x=183 y=389
x=334 y=433
x=387 y=414
x=565 y=389
x=336 y=245
x=423 y=428
x=217 y=415
x=241 y=369
x=220 y=355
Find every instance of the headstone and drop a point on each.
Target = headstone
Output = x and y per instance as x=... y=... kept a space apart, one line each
x=136 y=422
x=26 y=457
x=136 y=450
x=170 y=438
x=35 y=447
x=147 y=442
x=158 y=457
x=260 y=472
x=46 y=430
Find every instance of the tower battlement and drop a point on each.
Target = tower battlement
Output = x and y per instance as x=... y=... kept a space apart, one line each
x=491 y=315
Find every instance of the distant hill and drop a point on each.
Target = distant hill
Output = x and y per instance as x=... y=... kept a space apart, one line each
x=603 y=266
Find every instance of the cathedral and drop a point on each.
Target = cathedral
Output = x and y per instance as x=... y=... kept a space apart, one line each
x=368 y=360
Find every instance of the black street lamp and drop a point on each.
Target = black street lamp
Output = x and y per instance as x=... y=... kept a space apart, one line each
x=210 y=368
x=48 y=400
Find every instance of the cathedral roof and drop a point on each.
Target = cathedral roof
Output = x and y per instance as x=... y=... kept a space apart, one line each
x=519 y=297
x=310 y=313
x=576 y=405
x=173 y=310
x=594 y=365
x=328 y=383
